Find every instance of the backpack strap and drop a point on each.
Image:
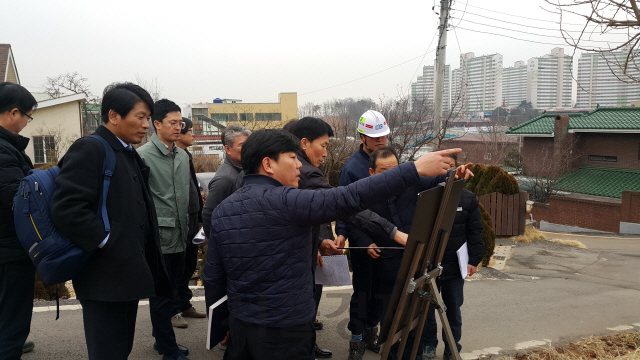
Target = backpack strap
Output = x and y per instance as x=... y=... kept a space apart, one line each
x=108 y=168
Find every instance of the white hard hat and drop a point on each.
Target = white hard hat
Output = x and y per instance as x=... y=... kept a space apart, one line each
x=373 y=124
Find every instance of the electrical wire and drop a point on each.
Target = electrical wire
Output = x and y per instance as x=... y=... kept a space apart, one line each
x=421 y=61
x=364 y=77
x=533 y=27
x=512 y=37
x=543 y=35
x=517 y=16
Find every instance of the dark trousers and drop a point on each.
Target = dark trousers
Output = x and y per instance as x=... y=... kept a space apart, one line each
x=184 y=293
x=387 y=274
x=259 y=342
x=16 y=306
x=453 y=297
x=317 y=295
x=109 y=328
x=162 y=309
x=365 y=307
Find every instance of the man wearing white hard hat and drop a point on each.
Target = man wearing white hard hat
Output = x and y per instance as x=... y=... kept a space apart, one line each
x=364 y=309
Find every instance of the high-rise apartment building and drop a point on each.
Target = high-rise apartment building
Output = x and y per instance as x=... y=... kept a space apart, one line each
x=598 y=85
x=549 y=80
x=422 y=91
x=483 y=78
x=514 y=84
x=457 y=99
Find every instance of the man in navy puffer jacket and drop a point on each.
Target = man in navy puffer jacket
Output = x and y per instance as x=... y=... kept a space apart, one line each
x=400 y=210
x=261 y=240
x=467 y=227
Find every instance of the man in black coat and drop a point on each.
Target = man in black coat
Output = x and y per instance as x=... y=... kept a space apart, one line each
x=126 y=264
x=228 y=178
x=314 y=137
x=17 y=273
x=467 y=228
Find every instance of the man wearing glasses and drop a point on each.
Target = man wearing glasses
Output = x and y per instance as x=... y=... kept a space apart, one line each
x=17 y=273
x=169 y=182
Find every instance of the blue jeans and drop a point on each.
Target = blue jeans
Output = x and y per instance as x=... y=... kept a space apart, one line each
x=451 y=291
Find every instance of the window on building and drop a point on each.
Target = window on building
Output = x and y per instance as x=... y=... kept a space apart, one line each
x=224 y=117
x=246 y=117
x=44 y=149
x=487 y=156
x=268 y=117
x=199 y=111
x=601 y=158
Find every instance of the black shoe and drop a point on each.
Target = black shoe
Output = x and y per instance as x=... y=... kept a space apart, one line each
x=28 y=347
x=322 y=353
x=370 y=339
x=317 y=324
x=183 y=349
x=356 y=349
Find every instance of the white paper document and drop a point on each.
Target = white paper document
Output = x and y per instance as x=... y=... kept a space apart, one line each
x=199 y=238
x=211 y=309
x=335 y=271
x=463 y=259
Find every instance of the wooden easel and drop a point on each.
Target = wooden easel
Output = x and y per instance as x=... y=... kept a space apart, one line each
x=415 y=288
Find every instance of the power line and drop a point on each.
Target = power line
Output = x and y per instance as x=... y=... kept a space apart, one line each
x=421 y=61
x=518 y=16
x=543 y=35
x=512 y=37
x=364 y=77
x=535 y=27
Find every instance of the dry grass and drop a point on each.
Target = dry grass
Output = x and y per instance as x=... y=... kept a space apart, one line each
x=619 y=346
x=575 y=243
x=531 y=234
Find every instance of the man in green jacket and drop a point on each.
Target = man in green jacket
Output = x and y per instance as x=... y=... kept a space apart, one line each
x=169 y=182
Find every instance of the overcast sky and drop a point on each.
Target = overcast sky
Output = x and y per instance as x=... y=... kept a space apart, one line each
x=252 y=50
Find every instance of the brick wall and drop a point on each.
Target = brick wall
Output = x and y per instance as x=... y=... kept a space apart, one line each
x=536 y=152
x=590 y=212
x=480 y=153
x=626 y=147
x=631 y=206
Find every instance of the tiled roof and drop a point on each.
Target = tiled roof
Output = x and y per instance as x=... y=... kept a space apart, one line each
x=603 y=118
x=600 y=181
x=541 y=125
x=608 y=118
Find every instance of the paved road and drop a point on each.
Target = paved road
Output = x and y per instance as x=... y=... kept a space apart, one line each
x=547 y=293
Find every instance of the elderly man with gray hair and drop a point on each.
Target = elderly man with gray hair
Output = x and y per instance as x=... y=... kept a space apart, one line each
x=229 y=176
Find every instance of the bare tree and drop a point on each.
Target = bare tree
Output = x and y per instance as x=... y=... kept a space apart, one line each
x=601 y=17
x=56 y=142
x=547 y=166
x=151 y=86
x=74 y=83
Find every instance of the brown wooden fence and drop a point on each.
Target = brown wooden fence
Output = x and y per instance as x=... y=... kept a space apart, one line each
x=508 y=212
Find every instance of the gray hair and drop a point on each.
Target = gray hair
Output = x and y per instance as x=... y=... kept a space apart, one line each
x=231 y=132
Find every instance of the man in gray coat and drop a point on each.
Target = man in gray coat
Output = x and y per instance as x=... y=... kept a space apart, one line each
x=228 y=178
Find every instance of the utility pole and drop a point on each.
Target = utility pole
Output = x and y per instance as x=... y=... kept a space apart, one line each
x=441 y=58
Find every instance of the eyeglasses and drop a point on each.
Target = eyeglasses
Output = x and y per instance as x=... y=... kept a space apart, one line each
x=27 y=115
x=177 y=125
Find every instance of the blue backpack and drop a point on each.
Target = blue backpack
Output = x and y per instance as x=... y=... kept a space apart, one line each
x=56 y=258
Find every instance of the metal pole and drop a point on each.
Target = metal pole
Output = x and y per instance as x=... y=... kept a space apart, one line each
x=441 y=58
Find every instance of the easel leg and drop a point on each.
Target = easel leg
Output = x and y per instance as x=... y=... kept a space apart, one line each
x=445 y=322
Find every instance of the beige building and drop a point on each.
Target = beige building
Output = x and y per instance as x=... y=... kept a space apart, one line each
x=211 y=118
x=56 y=125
